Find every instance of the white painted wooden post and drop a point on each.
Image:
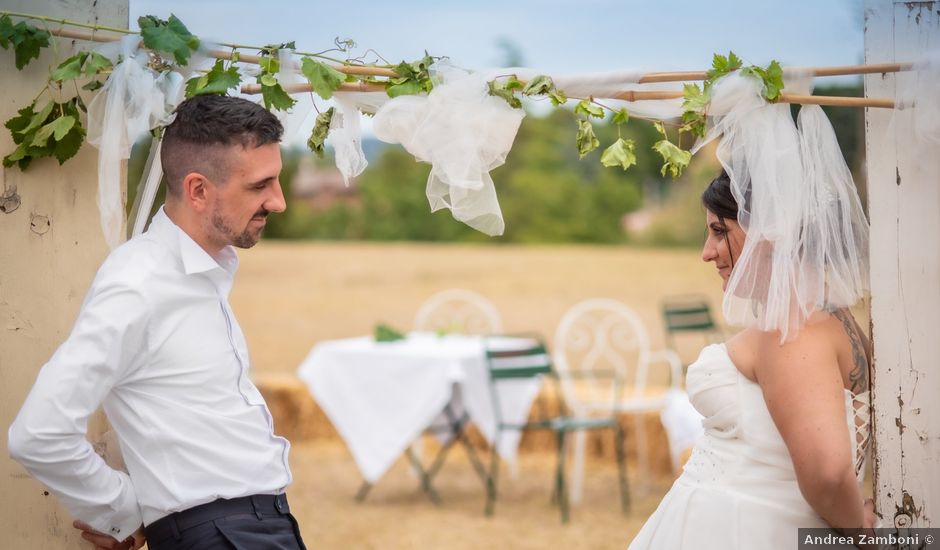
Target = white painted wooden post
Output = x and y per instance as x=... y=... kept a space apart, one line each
x=50 y=247
x=904 y=206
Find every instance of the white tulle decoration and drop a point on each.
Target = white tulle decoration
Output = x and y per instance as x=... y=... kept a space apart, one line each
x=346 y=138
x=131 y=102
x=806 y=248
x=463 y=132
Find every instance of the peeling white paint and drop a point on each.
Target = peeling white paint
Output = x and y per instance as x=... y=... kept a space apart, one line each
x=904 y=208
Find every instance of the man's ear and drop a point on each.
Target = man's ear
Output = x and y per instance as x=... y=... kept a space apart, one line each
x=196 y=189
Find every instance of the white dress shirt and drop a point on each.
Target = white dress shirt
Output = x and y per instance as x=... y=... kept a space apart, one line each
x=157 y=345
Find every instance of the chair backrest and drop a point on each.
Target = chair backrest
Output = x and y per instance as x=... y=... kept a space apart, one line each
x=602 y=354
x=458 y=310
x=529 y=358
x=689 y=314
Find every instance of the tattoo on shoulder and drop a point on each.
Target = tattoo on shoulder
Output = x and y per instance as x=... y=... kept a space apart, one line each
x=858 y=376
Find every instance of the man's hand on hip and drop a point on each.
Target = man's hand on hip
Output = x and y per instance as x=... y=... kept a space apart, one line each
x=107 y=542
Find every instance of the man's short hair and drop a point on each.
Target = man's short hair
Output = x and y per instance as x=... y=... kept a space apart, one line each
x=207 y=125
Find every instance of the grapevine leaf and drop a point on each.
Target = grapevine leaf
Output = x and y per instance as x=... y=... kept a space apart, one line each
x=660 y=128
x=407 y=87
x=587 y=108
x=540 y=85
x=19 y=122
x=721 y=66
x=413 y=78
x=622 y=153
x=321 y=130
x=38 y=119
x=694 y=99
x=170 y=36
x=586 y=140
x=674 y=159
x=26 y=40
x=621 y=116
x=694 y=123
x=558 y=97
x=6 y=31
x=513 y=83
x=217 y=81
x=70 y=143
x=95 y=63
x=773 y=83
x=500 y=90
x=268 y=80
x=70 y=68
x=275 y=96
x=19 y=156
x=63 y=125
x=324 y=79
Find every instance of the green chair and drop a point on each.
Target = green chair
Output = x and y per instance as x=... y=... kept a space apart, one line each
x=506 y=365
x=689 y=315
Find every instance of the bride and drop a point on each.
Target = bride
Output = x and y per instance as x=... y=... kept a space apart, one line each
x=786 y=426
x=785 y=401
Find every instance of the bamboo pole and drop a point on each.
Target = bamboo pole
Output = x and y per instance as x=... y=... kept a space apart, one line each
x=836 y=101
x=676 y=76
x=683 y=76
x=301 y=87
x=221 y=54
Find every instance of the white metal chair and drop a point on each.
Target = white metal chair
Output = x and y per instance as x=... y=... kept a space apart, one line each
x=458 y=310
x=602 y=350
x=465 y=312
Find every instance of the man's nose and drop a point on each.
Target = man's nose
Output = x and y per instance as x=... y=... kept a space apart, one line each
x=276 y=203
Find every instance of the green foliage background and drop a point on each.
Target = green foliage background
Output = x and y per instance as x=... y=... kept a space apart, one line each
x=546 y=194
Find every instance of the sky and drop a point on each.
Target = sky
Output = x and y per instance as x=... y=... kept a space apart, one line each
x=551 y=36
x=547 y=35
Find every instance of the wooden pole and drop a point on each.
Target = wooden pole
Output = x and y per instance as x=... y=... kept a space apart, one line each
x=629 y=95
x=674 y=76
x=221 y=54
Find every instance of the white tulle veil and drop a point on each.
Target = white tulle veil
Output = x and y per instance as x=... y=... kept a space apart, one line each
x=806 y=248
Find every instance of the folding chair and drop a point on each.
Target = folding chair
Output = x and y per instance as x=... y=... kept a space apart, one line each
x=689 y=314
x=534 y=361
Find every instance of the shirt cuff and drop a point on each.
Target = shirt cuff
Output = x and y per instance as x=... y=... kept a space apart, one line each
x=126 y=518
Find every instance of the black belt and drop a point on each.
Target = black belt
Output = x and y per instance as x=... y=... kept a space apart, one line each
x=177 y=522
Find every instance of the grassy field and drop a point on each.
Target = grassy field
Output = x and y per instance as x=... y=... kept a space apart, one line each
x=290 y=295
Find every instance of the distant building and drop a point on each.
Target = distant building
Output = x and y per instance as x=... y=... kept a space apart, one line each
x=322 y=186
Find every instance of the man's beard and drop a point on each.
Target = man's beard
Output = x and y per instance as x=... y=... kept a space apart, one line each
x=245 y=239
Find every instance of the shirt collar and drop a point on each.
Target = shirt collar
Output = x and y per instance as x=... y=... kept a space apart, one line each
x=195 y=259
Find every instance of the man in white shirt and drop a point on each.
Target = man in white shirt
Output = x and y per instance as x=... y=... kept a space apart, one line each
x=157 y=346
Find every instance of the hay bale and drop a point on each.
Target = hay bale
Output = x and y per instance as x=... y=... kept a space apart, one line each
x=298 y=417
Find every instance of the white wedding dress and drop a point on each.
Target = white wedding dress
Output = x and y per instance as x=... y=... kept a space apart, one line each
x=739 y=488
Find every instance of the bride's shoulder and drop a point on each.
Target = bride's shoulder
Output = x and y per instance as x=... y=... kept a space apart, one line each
x=753 y=350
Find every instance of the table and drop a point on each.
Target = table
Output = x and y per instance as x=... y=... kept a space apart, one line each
x=381 y=396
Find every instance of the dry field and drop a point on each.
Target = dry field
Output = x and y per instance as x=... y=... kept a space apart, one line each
x=288 y=296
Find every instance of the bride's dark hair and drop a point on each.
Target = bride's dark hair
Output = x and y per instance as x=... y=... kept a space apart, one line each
x=717 y=198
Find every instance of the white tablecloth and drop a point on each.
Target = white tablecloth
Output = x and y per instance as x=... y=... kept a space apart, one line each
x=380 y=396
